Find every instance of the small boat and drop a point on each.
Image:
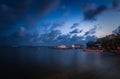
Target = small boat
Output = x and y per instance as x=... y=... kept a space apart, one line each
x=91 y=50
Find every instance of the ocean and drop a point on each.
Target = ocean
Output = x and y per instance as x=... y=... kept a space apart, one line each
x=47 y=63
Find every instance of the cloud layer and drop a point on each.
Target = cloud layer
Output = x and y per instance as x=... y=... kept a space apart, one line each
x=26 y=21
x=27 y=11
x=23 y=37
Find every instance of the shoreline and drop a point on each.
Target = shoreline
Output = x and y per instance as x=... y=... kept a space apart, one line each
x=93 y=50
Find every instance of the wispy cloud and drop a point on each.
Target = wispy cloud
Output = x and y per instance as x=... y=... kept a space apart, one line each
x=57 y=24
x=75 y=31
x=74 y=25
x=91 y=31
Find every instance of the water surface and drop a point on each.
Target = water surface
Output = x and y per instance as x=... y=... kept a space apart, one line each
x=46 y=63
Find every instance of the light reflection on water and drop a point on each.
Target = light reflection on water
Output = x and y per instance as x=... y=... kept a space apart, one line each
x=64 y=58
x=48 y=61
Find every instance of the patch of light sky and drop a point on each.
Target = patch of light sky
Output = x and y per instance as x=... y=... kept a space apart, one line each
x=105 y=23
x=108 y=23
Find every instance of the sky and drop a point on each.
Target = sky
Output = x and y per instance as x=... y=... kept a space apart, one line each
x=56 y=22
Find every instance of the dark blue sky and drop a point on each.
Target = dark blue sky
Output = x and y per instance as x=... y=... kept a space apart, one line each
x=53 y=22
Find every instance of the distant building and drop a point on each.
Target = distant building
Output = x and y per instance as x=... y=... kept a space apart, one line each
x=117 y=30
x=98 y=46
x=62 y=47
x=79 y=46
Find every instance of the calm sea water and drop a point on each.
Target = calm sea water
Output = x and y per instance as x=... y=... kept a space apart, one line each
x=46 y=63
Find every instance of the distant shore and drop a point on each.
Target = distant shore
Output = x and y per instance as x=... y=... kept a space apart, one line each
x=66 y=48
x=95 y=50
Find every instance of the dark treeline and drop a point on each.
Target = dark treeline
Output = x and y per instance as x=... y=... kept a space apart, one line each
x=108 y=43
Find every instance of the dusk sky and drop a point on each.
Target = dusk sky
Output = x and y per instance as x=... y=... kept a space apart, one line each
x=56 y=22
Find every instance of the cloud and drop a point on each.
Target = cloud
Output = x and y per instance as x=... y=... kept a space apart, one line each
x=91 y=14
x=43 y=7
x=56 y=25
x=46 y=26
x=22 y=37
x=77 y=39
x=28 y=11
x=49 y=38
x=63 y=39
x=91 y=38
x=74 y=25
x=54 y=33
x=91 y=31
x=75 y=31
x=115 y=4
x=68 y=40
x=21 y=32
x=88 y=6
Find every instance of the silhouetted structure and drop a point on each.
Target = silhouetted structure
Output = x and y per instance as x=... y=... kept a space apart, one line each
x=77 y=46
